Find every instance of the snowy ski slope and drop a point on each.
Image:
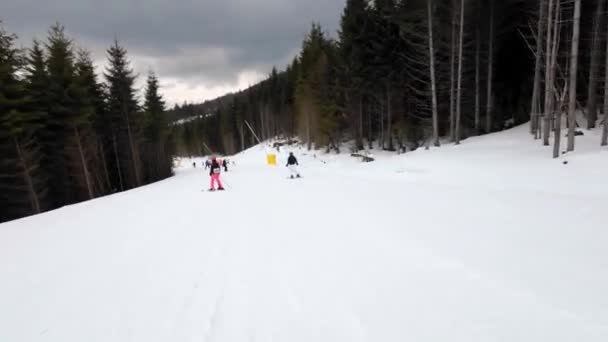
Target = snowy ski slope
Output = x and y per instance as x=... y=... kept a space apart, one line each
x=491 y=240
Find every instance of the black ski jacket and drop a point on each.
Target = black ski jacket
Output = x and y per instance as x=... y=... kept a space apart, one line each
x=292 y=161
x=215 y=168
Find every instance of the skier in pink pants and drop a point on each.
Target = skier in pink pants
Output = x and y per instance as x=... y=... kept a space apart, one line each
x=214 y=172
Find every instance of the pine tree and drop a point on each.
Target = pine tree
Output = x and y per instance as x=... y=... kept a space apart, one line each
x=68 y=125
x=157 y=159
x=384 y=46
x=22 y=190
x=320 y=121
x=91 y=102
x=125 y=118
x=418 y=55
x=37 y=82
x=353 y=38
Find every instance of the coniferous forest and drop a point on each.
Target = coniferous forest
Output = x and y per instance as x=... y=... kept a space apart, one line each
x=400 y=75
x=68 y=136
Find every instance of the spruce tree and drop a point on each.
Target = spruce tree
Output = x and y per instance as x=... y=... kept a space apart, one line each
x=68 y=125
x=125 y=118
x=37 y=82
x=91 y=103
x=316 y=97
x=157 y=159
x=353 y=38
x=384 y=47
x=22 y=190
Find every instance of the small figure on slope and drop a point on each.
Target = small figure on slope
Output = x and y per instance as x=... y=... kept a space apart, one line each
x=225 y=165
x=214 y=172
x=292 y=165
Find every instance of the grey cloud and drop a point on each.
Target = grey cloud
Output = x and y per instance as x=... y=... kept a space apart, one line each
x=181 y=38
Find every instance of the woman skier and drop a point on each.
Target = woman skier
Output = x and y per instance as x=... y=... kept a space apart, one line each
x=214 y=172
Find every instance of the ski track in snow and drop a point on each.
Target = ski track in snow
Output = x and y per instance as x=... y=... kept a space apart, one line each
x=463 y=243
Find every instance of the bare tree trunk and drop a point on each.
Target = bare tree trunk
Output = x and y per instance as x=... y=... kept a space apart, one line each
x=433 y=80
x=262 y=119
x=100 y=182
x=605 y=132
x=594 y=68
x=477 y=75
x=360 y=128
x=118 y=168
x=382 y=136
x=370 y=135
x=33 y=196
x=267 y=122
x=83 y=163
x=452 y=73
x=573 y=73
x=459 y=87
x=133 y=152
x=536 y=108
x=557 y=114
x=106 y=174
x=309 y=128
x=160 y=161
x=490 y=100
x=263 y=122
x=242 y=136
x=389 y=116
x=548 y=76
x=251 y=136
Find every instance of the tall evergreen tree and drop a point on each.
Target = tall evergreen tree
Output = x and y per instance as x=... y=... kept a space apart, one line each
x=125 y=118
x=385 y=45
x=68 y=125
x=319 y=118
x=22 y=190
x=354 y=35
x=156 y=133
x=91 y=102
x=37 y=82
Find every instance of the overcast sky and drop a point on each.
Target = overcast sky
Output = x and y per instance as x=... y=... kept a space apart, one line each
x=200 y=49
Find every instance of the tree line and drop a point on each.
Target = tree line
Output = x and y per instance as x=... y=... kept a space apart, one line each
x=406 y=74
x=67 y=137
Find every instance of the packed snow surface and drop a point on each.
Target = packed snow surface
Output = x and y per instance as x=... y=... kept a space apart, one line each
x=491 y=240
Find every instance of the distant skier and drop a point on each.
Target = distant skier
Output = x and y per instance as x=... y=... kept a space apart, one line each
x=207 y=164
x=225 y=165
x=194 y=164
x=214 y=172
x=292 y=165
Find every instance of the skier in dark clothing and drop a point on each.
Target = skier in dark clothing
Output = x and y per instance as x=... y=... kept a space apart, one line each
x=214 y=172
x=292 y=165
x=225 y=165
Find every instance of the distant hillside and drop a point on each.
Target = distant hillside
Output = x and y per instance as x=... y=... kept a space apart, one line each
x=188 y=111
